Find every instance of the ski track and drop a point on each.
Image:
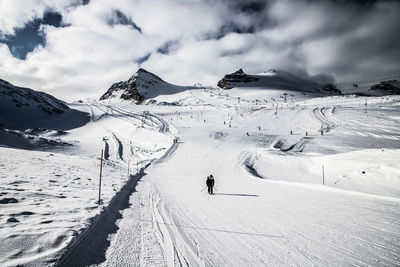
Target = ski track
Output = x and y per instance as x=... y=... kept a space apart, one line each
x=172 y=229
x=161 y=217
x=321 y=114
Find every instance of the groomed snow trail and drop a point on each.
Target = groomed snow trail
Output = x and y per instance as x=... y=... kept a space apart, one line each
x=252 y=220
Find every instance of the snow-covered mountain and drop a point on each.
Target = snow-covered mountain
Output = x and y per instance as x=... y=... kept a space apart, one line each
x=22 y=108
x=391 y=87
x=142 y=85
x=273 y=79
x=371 y=88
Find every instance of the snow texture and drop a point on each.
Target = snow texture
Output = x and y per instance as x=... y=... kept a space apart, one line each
x=301 y=179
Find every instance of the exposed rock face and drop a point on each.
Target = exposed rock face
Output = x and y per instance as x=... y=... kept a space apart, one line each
x=133 y=89
x=128 y=91
x=390 y=87
x=237 y=77
x=331 y=88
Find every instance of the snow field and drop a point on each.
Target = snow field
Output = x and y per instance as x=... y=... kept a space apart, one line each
x=252 y=221
x=56 y=196
x=269 y=207
x=56 y=193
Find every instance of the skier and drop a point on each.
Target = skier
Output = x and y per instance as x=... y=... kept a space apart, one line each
x=210 y=184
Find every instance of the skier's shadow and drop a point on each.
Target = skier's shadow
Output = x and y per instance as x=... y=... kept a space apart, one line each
x=236 y=195
x=213 y=229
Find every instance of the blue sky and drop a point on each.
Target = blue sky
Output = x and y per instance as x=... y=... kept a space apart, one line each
x=76 y=49
x=26 y=38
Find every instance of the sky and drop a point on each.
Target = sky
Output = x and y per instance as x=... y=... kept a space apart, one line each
x=75 y=49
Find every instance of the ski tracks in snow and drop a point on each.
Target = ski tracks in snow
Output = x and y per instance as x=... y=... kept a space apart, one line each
x=178 y=249
x=321 y=115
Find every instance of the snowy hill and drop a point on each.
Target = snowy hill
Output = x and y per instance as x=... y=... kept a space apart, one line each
x=301 y=178
x=377 y=87
x=22 y=108
x=142 y=85
x=391 y=87
x=273 y=79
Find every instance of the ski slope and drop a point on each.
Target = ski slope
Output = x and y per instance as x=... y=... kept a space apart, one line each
x=50 y=197
x=270 y=206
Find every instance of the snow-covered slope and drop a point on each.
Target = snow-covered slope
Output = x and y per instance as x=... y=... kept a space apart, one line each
x=22 y=108
x=302 y=179
x=377 y=87
x=273 y=79
x=270 y=207
x=142 y=85
x=391 y=87
x=49 y=197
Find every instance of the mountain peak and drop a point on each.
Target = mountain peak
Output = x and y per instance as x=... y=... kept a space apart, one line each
x=239 y=72
x=145 y=75
x=142 y=70
x=143 y=84
x=237 y=77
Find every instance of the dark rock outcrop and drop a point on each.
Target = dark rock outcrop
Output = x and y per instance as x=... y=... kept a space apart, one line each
x=237 y=77
x=390 y=87
x=332 y=89
x=132 y=88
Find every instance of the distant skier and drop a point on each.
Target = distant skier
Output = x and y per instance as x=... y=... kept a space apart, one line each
x=210 y=184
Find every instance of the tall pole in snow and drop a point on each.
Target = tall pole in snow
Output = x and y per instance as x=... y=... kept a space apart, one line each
x=129 y=163
x=323 y=175
x=101 y=170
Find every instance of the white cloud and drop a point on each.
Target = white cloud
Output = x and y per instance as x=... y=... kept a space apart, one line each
x=210 y=39
x=16 y=13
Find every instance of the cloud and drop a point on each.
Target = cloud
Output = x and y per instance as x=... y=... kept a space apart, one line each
x=190 y=41
x=119 y=18
x=26 y=39
x=17 y=13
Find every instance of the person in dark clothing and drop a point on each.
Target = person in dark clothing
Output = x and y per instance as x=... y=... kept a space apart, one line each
x=210 y=184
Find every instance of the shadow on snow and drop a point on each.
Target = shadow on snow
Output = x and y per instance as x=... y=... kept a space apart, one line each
x=236 y=195
x=214 y=230
x=90 y=247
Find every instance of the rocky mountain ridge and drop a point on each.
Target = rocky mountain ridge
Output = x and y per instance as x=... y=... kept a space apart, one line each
x=141 y=86
x=22 y=108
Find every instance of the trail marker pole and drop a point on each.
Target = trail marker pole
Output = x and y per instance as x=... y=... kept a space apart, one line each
x=101 y=170
x=323 y=175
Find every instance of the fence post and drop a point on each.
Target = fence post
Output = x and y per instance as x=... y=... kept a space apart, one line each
x=101 y=170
